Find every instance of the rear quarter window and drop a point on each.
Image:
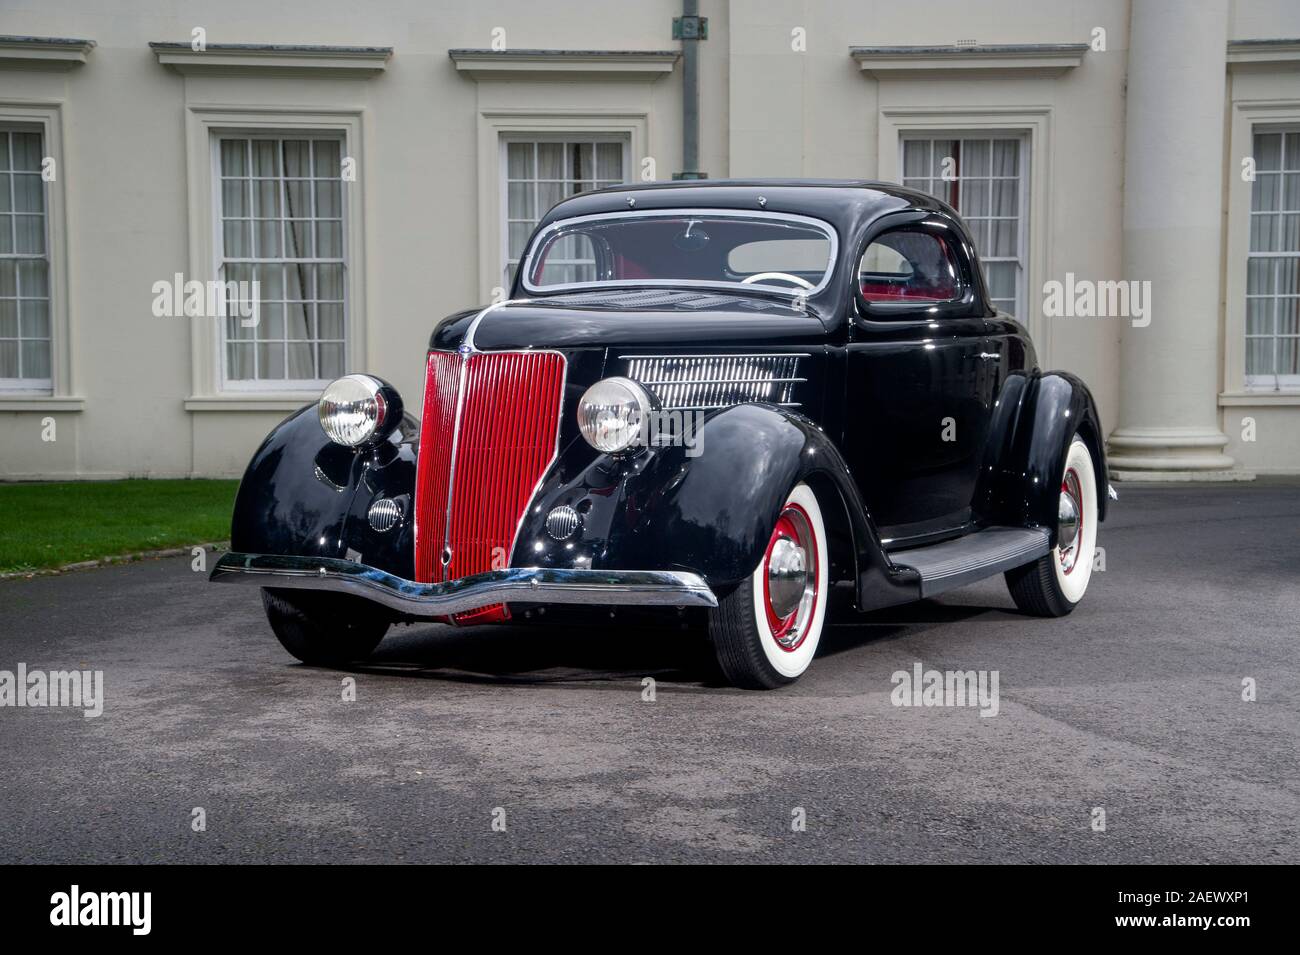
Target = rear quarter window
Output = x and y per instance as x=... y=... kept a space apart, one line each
x=909 y=265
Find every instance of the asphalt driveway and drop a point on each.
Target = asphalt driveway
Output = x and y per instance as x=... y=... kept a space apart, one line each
x=1132 y=705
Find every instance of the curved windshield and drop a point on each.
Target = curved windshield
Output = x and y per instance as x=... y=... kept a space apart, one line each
x=772 y=251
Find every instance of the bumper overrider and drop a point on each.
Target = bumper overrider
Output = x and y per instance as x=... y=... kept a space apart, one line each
x=641 y=588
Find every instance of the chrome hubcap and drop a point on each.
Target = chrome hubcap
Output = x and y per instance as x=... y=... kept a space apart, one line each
x=787 y=577
x=1069 y=521
x=790 y=578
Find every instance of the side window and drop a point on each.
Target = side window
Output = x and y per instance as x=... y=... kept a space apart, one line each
x=909 y=266
x=568 y=259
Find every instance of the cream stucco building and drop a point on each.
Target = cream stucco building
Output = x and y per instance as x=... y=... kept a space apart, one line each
x=375 y=166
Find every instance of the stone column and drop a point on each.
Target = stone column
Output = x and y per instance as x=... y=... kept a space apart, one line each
x=1173 y=188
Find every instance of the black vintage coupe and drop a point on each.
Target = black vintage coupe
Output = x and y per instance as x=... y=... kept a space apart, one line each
x=708 y=403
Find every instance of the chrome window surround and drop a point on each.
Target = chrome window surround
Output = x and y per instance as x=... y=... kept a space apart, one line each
x=825 y=227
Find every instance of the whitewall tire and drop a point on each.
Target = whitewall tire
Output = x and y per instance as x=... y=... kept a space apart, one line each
x=767 y=630
x=1053 y=585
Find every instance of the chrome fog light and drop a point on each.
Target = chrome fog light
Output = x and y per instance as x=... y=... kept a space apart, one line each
x=384 y=514
x=562 y=522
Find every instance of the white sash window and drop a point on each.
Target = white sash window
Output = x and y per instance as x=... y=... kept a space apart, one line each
x=280 y=221
x=25 y=337
x=984 y=178
x=1273 y=263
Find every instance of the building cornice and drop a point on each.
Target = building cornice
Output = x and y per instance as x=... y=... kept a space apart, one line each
x=274 y=59
x=1018 y=59
x=1264 y=54
x=43 y=52
x=488 y=64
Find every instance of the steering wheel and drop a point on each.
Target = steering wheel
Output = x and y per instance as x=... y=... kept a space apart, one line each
x=783 y=276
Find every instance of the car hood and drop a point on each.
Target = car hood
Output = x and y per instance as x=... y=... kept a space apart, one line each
x=630 y=318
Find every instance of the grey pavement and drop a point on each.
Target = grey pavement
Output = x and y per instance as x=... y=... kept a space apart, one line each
x=1133 y=704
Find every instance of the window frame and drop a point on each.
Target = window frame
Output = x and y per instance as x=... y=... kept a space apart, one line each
x=55 y=392
x=268 y=385
x=29 y=385
x=1023 y=161
x=1253 y=106
x=500 y=113
x=551 y=136
x=208 y=393
x=1275 y=382
x=1036 y=122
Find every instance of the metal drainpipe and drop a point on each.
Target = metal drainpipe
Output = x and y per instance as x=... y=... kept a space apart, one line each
x=693 y=28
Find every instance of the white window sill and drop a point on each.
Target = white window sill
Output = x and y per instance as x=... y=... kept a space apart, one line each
x=283 y=401
x=21 y=402
x=1289 y=396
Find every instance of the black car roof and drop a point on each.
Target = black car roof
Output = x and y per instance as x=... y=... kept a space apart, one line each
x=844 y=203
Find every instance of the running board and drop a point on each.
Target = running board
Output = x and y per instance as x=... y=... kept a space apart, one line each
x=956 y=563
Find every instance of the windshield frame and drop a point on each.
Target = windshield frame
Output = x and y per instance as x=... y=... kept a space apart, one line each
x=539 y=241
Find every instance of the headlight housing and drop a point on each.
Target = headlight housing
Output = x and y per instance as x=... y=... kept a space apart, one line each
x=359 y=409
x=612 y=413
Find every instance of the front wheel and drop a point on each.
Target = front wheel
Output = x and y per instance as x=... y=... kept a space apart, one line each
x=324 y=629
x=766 y=631
x=1053 y=585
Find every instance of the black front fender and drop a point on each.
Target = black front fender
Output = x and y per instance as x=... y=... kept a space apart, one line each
x=711 y=508
x=303 y=495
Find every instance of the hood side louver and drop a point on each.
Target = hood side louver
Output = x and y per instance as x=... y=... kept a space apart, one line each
x=708 y=382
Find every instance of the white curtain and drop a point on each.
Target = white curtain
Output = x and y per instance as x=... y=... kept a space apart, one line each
x=282 y=205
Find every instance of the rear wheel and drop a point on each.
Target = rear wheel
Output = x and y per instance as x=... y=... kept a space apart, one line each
x=766 y=631
x=1053 y=585
x=324 y=629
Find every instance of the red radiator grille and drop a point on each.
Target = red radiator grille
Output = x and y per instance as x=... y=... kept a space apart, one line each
x=433 y=468
x=509 y=415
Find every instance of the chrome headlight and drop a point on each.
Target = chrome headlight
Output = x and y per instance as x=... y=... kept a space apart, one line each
x=358 y=409
x=611 y=414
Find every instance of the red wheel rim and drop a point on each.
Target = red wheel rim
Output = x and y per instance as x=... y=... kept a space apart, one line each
x=790 y=631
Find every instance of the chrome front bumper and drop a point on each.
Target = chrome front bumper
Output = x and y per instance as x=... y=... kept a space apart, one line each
x=641 y=588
